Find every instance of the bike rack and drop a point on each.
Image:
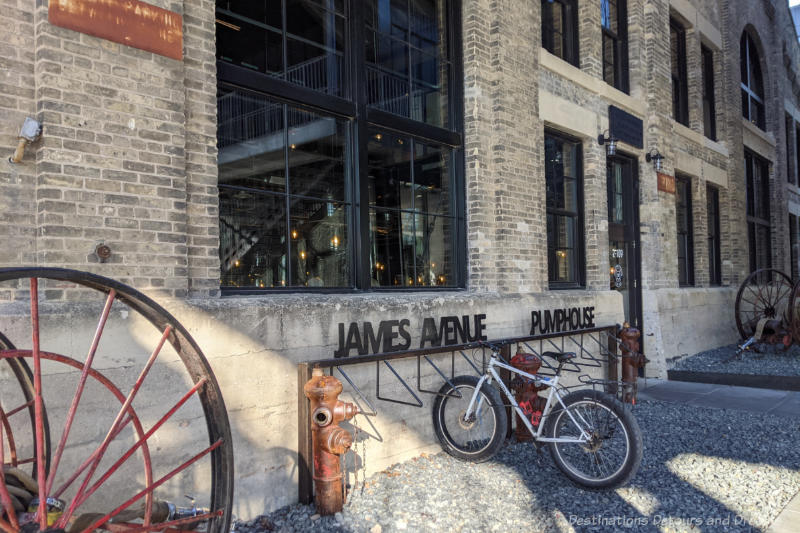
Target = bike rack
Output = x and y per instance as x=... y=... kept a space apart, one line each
x=580 y=341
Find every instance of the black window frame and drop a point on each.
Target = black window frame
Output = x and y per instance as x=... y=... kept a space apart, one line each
x=569 y=34
x=709 y=100
x=714 y=237
x=753 y=95
x=619 y=42
x=578 y=273
x=352 y=105
x=789 y=128
x=794 y=270
x=678 y=73
x=757 y=208
x=685 y=228
x=796 y=169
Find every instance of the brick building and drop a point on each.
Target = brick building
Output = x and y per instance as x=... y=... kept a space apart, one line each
x=311 y=163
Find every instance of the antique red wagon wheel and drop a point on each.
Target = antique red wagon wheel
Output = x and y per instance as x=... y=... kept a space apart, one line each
x=764 y=294
x=136 y=414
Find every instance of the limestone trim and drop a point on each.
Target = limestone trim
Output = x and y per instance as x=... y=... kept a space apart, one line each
x=698 y=138
x=696 y=20
x=759 y=141
x=594 y=85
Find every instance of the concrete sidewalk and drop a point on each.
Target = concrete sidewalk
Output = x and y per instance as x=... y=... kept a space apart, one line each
x=773 y=402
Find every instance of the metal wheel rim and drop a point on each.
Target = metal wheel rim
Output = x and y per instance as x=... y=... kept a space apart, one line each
x=454 y=411
x=196 y=366
x=754 y=301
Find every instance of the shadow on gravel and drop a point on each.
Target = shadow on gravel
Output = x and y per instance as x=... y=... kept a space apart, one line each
x=702 y=470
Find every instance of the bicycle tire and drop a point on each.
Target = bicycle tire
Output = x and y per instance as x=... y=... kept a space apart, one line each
x=586 y=464
x=476 y=440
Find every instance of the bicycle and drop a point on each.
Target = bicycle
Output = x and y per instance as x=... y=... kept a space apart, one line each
x=593 y=438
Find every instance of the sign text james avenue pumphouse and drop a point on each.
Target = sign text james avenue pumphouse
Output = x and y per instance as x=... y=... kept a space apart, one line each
x=393 y=335
x=561 y=320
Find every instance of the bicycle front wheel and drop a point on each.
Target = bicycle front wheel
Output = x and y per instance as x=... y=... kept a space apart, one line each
x=475 y=438
x=614 y=452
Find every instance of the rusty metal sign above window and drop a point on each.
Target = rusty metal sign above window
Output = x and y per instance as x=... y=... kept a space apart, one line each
x=129 y=22
x=666 y=183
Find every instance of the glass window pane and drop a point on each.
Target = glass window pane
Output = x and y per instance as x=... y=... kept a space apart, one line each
x=392 y=248
x=252 y=228
x=430 y=89
x=432 y=179
x=264 y=11
x=250 y=139
x=263 y=52
x=390 y=171
x=320 y=243
x=317 y=155
x=561 y=168
x=434 y=250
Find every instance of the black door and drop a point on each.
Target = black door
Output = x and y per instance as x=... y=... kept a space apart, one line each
x=623 y=236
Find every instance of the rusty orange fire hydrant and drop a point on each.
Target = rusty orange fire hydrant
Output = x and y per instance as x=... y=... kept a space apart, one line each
x=328 y=439
x=632 y=361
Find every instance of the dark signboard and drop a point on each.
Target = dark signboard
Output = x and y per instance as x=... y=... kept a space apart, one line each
x=625 y=127
x=130 y=22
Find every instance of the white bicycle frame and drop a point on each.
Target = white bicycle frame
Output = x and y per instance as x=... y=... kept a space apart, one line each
x=550 y=382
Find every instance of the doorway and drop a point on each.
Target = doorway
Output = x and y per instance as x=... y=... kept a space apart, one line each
x=623 y=236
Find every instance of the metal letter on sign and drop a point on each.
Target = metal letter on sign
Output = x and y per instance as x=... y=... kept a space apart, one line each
x=129 y=22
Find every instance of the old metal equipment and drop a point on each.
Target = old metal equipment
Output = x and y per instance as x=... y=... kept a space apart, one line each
x=526 y=393
x=329 y=440
x=764 y=309
x=134 y=433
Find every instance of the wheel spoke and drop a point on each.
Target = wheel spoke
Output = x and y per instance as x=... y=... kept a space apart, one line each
x=16 y=410
x=73 y=408
x=115 y=426
x=12 y=446
x=148 y=490
x=81 y=496
x=5 y=497
x=38 y=404
x=136 y=528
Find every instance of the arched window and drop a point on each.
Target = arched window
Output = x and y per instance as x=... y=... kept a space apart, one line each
x=752 y=82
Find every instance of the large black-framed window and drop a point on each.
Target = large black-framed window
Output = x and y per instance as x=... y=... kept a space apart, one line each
x=752 y=82
x=713 y=230
x=614 y=25
x=683 y=216
x=560 y=29
x=564 y=199
x=680 y=86
x=327 y=183
x=709 y=101
x=758 y=227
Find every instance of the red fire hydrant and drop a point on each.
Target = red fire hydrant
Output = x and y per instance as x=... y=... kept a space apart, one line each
x=632 y=361
x=328 y=439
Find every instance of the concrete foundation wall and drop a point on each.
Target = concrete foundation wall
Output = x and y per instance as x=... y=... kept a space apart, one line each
x=254 y=348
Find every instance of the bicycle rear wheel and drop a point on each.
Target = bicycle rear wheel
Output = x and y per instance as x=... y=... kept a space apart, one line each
x=612 y=456
x=475 y=439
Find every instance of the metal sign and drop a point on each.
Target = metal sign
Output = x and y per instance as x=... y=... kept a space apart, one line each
x=666 y=183
x=129 y=22
x=625 y=127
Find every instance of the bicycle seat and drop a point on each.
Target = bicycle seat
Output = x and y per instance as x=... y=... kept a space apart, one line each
x=561 y=357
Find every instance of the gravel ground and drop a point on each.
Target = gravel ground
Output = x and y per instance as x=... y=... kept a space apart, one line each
x=771 y=361
x=703 y=470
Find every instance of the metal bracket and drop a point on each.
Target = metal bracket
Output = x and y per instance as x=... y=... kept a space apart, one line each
x=418 y=402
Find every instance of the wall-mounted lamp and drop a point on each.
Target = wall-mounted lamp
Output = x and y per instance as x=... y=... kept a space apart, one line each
x=655 y=156
x=610 y=142
x=31 y=129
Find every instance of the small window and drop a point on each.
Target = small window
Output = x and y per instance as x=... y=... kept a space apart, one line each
x=614 y=22
x=752 y=82
x=712 y=212
x=709 y=103
x=680 y=91
x=563 y=173
x=683 y=213
x=560 y=29
x=758 y=229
